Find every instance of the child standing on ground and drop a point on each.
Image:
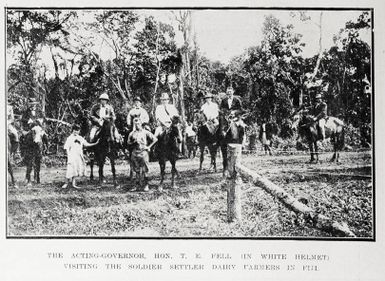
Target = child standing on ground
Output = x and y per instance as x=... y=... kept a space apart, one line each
x=76 y=165
x=138 y=138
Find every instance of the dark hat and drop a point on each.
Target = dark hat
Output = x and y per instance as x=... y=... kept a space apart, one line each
x=137 y=98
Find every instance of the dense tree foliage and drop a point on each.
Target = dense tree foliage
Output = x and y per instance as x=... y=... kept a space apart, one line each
x=59 y=58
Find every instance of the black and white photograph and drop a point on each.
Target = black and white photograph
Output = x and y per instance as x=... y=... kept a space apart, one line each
x=198 y=123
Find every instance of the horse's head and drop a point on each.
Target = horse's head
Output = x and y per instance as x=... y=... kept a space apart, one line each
x=295 y=120
x=38 y=134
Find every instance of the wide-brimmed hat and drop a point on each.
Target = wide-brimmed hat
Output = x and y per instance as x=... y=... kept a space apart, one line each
x=164 y=96
x=104 y=96
x=318 y=96
x=137 y=99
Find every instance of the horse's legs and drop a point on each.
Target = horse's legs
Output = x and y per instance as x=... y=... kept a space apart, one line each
x=162 y=165
x=36 y=171
x=173 y=173
x=112 y=161
x=28 y=162
x=213 y=156
x=10 y=170
x=316 y=151
x=311 y=152
x=101 y=165
x=92 y=169
x=202 y=152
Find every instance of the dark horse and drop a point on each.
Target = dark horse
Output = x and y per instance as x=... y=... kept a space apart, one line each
x=231 y=132
x=32 y=147
x=13 y=144
x=227 y=132
x=334 y=129
x=209 y=139
x=167 y=148
x=106 y=148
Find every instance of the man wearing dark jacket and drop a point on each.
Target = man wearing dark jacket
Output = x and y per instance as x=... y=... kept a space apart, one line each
x=230 y=102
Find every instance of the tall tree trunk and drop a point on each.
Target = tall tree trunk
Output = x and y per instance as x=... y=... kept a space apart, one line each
x=320 y=48
x=153 y=102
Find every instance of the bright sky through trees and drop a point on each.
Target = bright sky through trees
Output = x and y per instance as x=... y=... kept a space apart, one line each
x=222 y=34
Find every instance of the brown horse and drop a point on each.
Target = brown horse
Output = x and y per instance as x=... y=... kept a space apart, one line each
x=167 y=149
x=227 y=132
x=207 y=138
x=106 y=148
x=334 y=129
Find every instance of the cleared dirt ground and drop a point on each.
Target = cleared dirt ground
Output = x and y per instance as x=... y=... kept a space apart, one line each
x=198 y=207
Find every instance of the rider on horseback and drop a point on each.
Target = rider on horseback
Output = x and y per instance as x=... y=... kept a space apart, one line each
x=137 y=111
x=210 y=110
x=231 y=106
x=100 y=112
x=231 y=102
x=320 y=114
x=164 y=114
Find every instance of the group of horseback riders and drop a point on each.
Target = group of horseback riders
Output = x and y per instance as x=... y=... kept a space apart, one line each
x=165 y=112
x=230 y=108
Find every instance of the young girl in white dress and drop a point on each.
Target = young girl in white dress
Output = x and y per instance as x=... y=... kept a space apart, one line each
x=76 y=165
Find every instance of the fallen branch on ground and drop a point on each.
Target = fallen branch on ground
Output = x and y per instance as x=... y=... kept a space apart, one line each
x=319 y=221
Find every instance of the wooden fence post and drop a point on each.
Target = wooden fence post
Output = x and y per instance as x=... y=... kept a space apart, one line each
x=234 y=192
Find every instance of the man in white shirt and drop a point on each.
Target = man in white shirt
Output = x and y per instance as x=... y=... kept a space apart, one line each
x=164 y=114
x=210 y=110
x=137 y=111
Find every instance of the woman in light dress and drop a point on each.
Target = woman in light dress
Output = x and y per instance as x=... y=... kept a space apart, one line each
x=76 y=165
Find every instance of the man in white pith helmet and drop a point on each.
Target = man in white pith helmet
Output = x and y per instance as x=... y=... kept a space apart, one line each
x=164 y=113
x=210 y=110
x=100 y=112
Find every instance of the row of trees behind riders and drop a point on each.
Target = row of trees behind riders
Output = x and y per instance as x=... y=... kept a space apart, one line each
x=273 y=77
